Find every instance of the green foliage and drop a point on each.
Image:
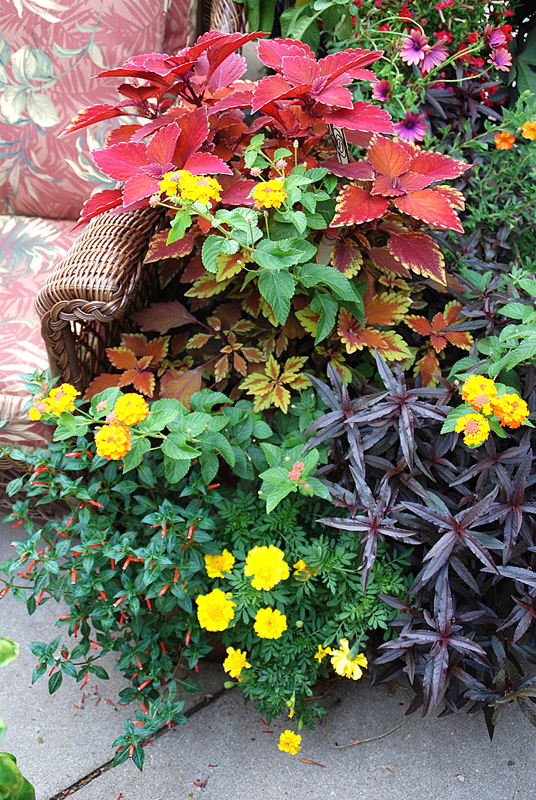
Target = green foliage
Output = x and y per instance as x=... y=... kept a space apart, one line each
x=13 y=785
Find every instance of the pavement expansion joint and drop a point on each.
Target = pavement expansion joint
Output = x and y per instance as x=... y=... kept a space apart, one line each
x=102 y=768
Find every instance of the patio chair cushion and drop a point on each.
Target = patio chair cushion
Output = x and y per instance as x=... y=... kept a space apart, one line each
x=49 y=55
x=29 y=250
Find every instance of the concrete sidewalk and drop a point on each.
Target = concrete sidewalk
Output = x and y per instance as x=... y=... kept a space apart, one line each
x=225 y=753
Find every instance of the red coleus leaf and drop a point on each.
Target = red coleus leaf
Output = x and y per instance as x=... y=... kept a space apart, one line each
x=358 y=170
x=437 y=167
x=157 y=349
x=431 y=207
x=122 y=134
x=99 y=202
x=194 y=131
x=272 y=51
x=428 y=368
x=161 y=148
x=356 y=205
x=391 y=345
x=206 y=163
x=438 y=331
x=239 y=99
x=121 y=358
x=121 y=161
x=224 y=75
x=454 y=196
x=386 y=308
x=350 y=62
x=162 y=317
x=274 y=87
x=419 y=253
x=299 y=69
x=181 y=385
x=96 y=113
x=382 y=258
x=346 y=257
x=236 y=191
x=388 y=157
x=221 y=48
x=362 y=117
x=159 y=248
x=138 y=187
x=136 y=342
x=104 y=381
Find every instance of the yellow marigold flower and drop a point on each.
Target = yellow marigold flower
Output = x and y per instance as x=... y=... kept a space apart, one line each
x=61 y=399
x=511 y=410
x=479 y=392
x=269 y=623
x=289 y=742
x=199 y=188
x=322 y=652
x=270 y=194
x=215 y=610
x=216 y=565
x=302 y=572
x=113 y=441
x=504 y=140
x=131 y=408
x=235 y=662
x=528 y=130
x=475 y=429
x=267 y=565
x=346 y=666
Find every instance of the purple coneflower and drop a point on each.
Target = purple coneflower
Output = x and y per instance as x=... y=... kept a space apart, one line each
x=412 y=128
x=434 y=56
x=501 y=59
x=381 y=90
x=413 y=48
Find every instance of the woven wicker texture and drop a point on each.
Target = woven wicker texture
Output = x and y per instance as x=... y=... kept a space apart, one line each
x=92 y=289
x=222 y=15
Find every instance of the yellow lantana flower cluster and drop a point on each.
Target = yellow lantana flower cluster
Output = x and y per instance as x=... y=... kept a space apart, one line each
x=215 y=610
x=113 y=441
x=131 y=409
x=482 y=395
x=479 y=392
x=511 y=410
x=195 y=188
x=59 y=399
x=267 y=565
x=270 y=194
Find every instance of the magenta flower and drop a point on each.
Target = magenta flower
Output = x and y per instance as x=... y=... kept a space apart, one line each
x=434 y=56
x=494 y=37
x=412 y=128
x=413 y=48
x=381 y=90
x=501 y=59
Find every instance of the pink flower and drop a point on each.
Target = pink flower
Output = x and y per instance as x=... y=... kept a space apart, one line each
x=494 y=37
x=434 y=56
x=413 y=48
x=110 y=418
x=281 y=163
x=102 y=405
x=501 y=59
x=412 y=128
x=381 y=90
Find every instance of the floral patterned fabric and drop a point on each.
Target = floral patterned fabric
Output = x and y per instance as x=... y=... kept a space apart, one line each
x=29 y=250
x=49 y=52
